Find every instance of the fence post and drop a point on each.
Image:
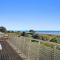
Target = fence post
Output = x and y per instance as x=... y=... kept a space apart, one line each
x=54 y=52
x=39 y=51
x=28 y=52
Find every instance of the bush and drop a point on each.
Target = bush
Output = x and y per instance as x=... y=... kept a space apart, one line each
x=56 y=40
x=53 y=40
x=32 y=32
x=48 y=44
x=3 y=29
x=34 y=41
x=36 y=36
x=24 y=34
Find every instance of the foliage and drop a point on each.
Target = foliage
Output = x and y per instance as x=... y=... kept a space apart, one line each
x=24 y=34
x=31 y=32
x=53 y=40
x=36 y=36
x=34 y=41
x=10 y=31
x=58 y=47
x=2 y=29
x=56 y=40
x=48 y=44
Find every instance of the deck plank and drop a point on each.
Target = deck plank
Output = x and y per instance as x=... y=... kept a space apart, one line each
x=8 y=53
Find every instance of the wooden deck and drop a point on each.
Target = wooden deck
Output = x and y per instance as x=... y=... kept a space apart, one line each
x=7 y=52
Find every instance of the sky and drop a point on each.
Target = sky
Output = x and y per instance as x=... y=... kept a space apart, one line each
x=30 y=14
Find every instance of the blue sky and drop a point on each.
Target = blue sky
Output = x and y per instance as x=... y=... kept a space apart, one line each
x=30 y=14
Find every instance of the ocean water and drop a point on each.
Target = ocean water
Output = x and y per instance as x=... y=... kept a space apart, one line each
x=49 y=32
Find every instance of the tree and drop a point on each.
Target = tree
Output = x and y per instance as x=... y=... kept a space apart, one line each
x=32 y=32
x=2 y=29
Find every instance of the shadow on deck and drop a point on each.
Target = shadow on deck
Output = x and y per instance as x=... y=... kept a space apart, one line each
x=7 y=52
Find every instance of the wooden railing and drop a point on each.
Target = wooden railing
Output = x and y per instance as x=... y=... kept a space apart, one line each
x=34 y=50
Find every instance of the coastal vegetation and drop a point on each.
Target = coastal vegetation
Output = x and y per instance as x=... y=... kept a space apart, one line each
x=44 y=37
x=3 y=29
x=33 y=34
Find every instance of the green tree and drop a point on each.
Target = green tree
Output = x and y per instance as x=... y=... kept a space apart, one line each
x=10 y=31
x=3 y=29
x=32 y=32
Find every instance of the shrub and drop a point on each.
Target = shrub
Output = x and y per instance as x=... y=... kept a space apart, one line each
x=36 y=36
x=34 y=41
x=56 y=40
x=53 y=40
x=32 y=32
x=3 y=29
x=48 y=44
x=24 y=34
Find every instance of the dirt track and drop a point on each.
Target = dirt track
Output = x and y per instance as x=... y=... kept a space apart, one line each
x=8 y=53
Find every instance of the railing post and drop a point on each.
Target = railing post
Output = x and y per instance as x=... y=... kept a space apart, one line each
x=54 y=52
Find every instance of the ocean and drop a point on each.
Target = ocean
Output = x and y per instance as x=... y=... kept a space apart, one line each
x=49 y=32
